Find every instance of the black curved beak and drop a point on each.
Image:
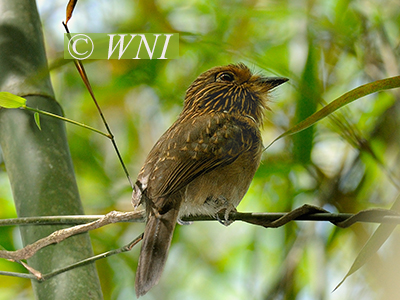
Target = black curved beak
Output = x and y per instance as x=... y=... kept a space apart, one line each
x=273 y=82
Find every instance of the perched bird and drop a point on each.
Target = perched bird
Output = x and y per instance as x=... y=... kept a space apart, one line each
x=204 y=163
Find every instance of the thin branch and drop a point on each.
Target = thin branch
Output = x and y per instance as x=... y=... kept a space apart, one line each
x=92 y=259
x=20 y=275
x=262 y=219
x=303 y=213
x=58 y=220
x=60 y=235
x=268 y=220
x=46 y=113
x=38 y=276
x=82 y=73
x=309 y=213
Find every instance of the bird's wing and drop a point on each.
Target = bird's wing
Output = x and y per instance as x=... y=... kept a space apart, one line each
x=194 y=147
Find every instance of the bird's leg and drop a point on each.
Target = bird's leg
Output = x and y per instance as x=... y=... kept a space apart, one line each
x=137 y=194
x=223 y=206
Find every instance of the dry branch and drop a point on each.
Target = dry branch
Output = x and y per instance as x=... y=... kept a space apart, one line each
x=60 y=235
x=268 y=220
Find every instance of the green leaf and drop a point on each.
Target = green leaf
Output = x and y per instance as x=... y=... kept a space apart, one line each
x=38 y=111
x=357 y=93
x=374 y=243
x=307 y=103
x=8 y=100
x=37 y=120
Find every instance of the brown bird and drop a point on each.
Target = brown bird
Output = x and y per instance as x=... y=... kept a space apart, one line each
x=204 y=163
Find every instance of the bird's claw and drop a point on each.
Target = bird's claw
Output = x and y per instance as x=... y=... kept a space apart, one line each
x=226 y=207
x=181 y=222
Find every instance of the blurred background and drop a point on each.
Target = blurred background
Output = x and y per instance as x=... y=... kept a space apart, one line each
x=346 y=163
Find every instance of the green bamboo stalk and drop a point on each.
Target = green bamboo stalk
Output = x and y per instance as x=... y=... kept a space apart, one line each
x=38 y=162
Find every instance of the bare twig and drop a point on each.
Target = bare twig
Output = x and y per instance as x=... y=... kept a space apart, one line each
x=92 y=259
x=62 y=220
x=268 y=220
x=304 y=213
x=82 y=73
x=309 y=213
x=20 y=275
x=60 y=235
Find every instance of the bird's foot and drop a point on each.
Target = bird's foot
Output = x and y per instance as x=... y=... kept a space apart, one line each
x=225 y=208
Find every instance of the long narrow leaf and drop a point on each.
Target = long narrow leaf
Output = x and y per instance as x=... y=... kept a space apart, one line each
x=373 y=244
x=357 y=93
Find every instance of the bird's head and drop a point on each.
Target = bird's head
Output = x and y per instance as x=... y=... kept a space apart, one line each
x=230 y=89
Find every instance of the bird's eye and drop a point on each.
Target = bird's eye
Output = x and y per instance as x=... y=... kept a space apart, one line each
x=225 y=77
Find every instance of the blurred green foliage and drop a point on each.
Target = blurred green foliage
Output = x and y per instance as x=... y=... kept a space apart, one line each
x=326 y=48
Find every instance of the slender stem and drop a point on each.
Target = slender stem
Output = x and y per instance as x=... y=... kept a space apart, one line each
x=85 y=79
x=50 y=220
x=20 y=275
x=379 y=217
x=268 y=220
x=81 y=263
x=66 y=120
x=82 y=73
x=92 y=259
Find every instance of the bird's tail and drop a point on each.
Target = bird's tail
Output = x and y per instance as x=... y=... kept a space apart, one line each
x=153 y=254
